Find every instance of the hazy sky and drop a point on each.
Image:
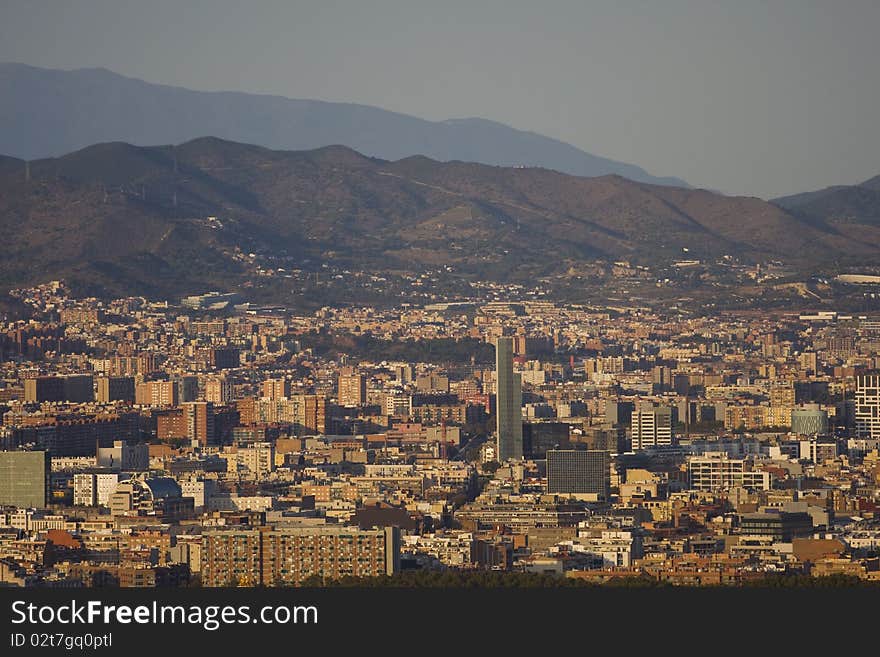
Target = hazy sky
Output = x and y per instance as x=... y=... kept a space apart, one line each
x=759 y=97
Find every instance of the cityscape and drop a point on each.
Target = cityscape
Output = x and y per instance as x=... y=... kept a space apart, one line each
x=468 y=296
x=209 y=442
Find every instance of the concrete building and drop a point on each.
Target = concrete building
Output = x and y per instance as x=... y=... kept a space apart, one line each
x=817 y=451
x=276 y=388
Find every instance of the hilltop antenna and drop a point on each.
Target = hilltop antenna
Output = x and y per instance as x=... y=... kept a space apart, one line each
x=27 y=171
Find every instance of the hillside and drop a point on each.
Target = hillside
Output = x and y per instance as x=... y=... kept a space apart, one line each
x=169 y=220
x=47 y=112
x=848 y=210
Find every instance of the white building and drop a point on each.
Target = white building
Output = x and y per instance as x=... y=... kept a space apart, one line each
x=93 y=489
x=651 y=426
x=868 y=405
x=611 y=548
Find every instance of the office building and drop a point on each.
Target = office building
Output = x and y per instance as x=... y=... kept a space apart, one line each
x=24 y=478
x=578 y=471
x=780 y=527
x=508 y=422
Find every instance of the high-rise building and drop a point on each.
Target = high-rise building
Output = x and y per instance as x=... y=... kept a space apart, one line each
x=508 y=422
x=44 y=389
x=269 y=556
x=24 y=478
x=352 y=390
x=224 y=358
x=219 y=390
x=403 y=373
x=188 y=388
x=868 y=405
x=432 y=382
x=257 y=459
x=115 y=388
x=276 y=388
x=199 y=418
x=158 y=393
x=578 y=471
x=651 y=426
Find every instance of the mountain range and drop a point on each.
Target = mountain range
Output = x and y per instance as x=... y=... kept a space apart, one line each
x=166 y=220
x=49 y=112
x=857 y=205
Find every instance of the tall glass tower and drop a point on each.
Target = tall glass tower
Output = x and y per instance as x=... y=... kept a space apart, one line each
x=508 y=405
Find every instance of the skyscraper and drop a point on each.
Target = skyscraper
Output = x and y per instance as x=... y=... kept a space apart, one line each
x=199 y=418
x=508 y=402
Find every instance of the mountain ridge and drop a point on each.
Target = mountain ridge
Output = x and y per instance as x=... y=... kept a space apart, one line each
x=49 y=112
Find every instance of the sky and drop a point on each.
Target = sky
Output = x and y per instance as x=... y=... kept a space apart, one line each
x=755 y=97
